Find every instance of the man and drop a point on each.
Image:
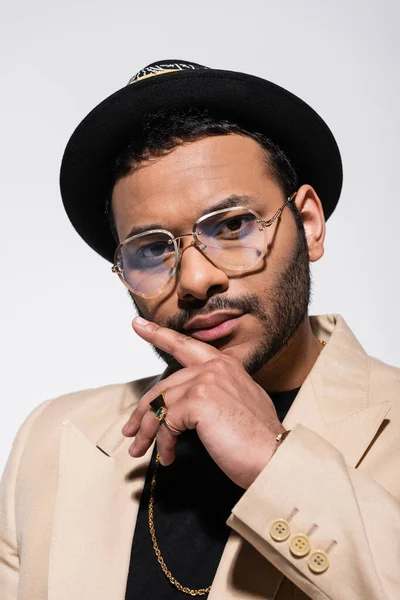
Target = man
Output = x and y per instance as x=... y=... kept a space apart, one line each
x=263 y=463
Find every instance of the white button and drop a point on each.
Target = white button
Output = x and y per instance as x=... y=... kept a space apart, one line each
x=318 y=561
x=279 y=530
x=300 y=545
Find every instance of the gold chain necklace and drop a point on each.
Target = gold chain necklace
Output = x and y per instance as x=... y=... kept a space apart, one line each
x=181 y=588
x=167 y=572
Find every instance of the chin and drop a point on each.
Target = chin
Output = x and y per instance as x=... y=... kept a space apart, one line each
x=238 y=350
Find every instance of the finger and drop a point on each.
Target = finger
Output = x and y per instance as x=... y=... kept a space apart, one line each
x=185 y=349
x=145 y=435
x=166 y=442
x=164 y=386
x=149 y=424
x=178 y=414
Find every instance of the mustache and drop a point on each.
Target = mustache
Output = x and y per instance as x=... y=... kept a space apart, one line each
x=247 y=303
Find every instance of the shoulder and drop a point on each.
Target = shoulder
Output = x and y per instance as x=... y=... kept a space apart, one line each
x=93 y=410
x=97 y=406
x=384 y=381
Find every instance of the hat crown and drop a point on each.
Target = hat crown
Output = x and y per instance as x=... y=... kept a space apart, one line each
x=165 y=66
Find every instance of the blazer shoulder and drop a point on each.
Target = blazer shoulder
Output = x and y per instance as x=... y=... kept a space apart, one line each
x=384 y=381
x=93 y=410
x=384 y=386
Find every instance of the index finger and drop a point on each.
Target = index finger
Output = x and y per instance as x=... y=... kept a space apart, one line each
x=185 y=349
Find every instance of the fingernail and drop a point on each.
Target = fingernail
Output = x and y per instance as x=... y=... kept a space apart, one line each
x=141 y=321
x=125 y=428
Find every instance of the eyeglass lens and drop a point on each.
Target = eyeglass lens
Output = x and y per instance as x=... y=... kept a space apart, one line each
x=231 y=239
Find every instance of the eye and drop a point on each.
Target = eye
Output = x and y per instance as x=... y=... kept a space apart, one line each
x=139 y=256
x=152 y=254
x=154 y=250
x=235 y=227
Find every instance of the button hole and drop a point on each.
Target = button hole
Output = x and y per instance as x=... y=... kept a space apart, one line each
x=331 y=546
x=292 y=514
x=313 y=528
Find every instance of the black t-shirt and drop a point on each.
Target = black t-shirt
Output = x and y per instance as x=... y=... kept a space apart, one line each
x=193 y=500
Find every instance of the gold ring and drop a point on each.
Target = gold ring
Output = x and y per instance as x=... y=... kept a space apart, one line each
x=160 y=413
x=172 y=429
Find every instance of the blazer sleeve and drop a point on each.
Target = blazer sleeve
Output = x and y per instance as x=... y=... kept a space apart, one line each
x=9 y=534
x=341 y=511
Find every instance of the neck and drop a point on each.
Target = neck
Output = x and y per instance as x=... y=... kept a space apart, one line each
x=289 y=368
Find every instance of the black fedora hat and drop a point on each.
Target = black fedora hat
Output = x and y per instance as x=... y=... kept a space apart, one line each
x=252 y=102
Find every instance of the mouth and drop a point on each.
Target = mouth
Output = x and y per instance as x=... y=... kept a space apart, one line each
x=213 y=327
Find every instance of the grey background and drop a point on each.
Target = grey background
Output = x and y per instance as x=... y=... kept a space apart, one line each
x=65 y=319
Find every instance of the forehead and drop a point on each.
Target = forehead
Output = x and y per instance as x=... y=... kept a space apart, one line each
x=173 y=190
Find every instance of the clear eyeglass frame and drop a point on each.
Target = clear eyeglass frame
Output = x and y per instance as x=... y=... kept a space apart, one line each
x=176 y=241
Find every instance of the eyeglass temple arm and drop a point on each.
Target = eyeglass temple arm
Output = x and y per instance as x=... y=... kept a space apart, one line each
x=279 y=212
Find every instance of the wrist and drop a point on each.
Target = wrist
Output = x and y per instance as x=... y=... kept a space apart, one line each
x=282 y=436
x=270 y=452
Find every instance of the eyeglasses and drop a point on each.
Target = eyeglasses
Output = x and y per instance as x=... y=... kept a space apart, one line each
x=233 y=239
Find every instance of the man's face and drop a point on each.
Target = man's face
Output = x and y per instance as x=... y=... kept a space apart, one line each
x=269 y=302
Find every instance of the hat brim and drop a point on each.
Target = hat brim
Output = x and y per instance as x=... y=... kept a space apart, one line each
x=254 y=103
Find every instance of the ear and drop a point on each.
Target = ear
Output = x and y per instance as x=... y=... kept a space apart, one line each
x=312 y=214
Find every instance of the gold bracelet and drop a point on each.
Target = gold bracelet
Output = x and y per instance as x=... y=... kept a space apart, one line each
x=281 y=436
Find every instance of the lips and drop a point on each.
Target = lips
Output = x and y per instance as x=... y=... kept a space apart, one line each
x=214 y=326
x=207 y=322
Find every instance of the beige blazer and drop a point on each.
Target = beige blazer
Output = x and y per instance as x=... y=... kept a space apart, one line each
x=70 y=492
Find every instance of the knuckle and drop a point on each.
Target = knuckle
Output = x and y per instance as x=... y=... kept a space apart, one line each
x=140 y=439
x=181 y=340
x=199 y=390
x=145 y=429
x=151 y=395
x=153 y=327
x=144 y=435
x=143 y=404
x=156 y=390
x=208 y=377
x=134 y=419
x=234 y=361
x=159 y=388
x=219 y=364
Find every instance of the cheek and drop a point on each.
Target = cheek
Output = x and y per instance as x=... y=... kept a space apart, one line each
x=155 y=311
x=281 y=248
x=253 y=283
x=143 y=308
x=263 y=280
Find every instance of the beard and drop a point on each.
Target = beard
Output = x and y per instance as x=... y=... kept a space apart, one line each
x=286 y=309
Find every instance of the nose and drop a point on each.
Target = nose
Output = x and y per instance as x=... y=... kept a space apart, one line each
x=198 y=278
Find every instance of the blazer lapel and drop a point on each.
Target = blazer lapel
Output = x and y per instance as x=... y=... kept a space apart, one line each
x=98 y=496
x=334 y=400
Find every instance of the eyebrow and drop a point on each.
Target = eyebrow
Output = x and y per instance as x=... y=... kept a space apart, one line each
x=229 y=202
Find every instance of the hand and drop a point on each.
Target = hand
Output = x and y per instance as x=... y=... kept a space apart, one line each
x=234 y=417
